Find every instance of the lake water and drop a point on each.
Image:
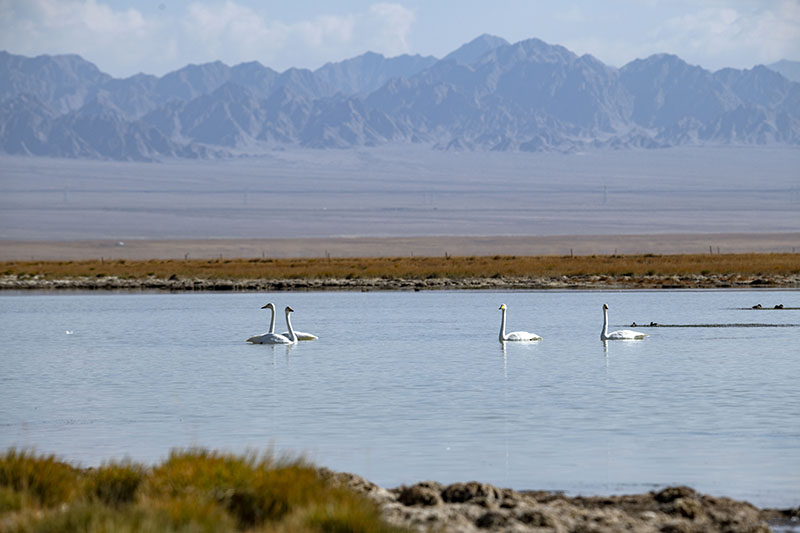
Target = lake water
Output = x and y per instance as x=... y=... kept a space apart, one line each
x=408 y=386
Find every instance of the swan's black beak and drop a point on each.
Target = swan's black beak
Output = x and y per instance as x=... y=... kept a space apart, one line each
x=265 y=306
x=289 y=309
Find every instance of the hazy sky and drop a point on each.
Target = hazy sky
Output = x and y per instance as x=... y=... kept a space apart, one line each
x=156 y=36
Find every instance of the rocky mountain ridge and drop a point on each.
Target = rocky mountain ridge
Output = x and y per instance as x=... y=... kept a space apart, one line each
x=486 y=95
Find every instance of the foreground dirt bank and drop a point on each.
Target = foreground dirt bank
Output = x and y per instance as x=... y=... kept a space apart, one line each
x=694 y=281
x=468 y=507
x=202 y=490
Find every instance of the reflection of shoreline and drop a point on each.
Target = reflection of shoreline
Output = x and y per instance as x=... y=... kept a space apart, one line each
x=13 y=282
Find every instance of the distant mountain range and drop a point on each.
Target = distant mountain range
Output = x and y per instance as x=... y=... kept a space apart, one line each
x=486 y=95
x=789 y=69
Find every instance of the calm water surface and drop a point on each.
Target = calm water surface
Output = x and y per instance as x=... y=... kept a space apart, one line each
x=404 y=386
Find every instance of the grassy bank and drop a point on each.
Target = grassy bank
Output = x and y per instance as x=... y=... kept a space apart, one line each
x=192 y=491
x=416 y=267
x=204 y=491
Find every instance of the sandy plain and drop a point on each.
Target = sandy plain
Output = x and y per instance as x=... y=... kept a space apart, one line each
x=430 y=246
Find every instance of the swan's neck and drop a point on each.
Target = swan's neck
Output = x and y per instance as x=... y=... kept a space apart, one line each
x=272 y=322
x=292 y=336
x=604 y=333
x=503 y=326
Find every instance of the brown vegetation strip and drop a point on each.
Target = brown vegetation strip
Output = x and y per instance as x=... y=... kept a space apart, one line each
x=746 y=265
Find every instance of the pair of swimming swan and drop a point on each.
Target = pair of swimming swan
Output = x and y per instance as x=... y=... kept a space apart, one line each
x=287 y=337
x=619 y=335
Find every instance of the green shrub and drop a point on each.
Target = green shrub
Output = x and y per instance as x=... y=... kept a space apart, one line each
x=192 y=491
x=343 y=516
x=50 y=481
x=115 y=484
x=11 y=500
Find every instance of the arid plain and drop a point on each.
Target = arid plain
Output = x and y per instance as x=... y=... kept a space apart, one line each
x=403 y=201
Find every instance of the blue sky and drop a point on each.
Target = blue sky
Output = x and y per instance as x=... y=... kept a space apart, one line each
x=157 y=36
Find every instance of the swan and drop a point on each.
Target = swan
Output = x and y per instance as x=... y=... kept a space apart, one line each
x=514 y=335
x=301 y=335
x=275 y=338
x=619 y=335
x=271 y=307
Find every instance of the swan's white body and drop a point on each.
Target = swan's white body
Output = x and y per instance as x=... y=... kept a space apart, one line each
x=302 y=336
x=274 y=338
x=619 y=335
x=514 y=335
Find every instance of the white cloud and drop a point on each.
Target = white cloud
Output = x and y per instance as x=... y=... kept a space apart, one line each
x=710 y=33
x=390 y=25
x=572 y=15
x=733 y=36
x=87 y=27
x=87 y=15
x=228 y=32
x=123 y=42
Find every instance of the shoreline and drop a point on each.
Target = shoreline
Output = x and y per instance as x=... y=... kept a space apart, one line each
x=581 y=282
x=475 y=506
x=249 y=492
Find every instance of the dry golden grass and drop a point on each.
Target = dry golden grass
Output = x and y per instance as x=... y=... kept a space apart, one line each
x=416 y=267
x=192 y=491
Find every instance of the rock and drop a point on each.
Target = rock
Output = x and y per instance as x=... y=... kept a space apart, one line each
x=427 y=493
x=476 y=493
x=175 y=283
x=673 y=493
x=358 y=484
x=537 y=518
x=687 y=507
x=473 y=507
x=493 y=520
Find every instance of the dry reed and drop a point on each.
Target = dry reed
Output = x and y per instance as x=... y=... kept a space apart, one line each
x=415 y=267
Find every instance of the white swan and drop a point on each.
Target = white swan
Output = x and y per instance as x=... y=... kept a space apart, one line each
x=274 y=338
x=271 y=307
x=619 y=335
x=514 y=335
x=301 y=335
